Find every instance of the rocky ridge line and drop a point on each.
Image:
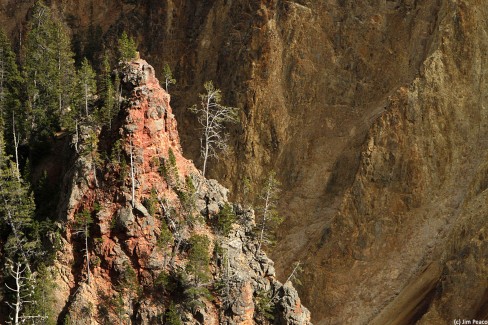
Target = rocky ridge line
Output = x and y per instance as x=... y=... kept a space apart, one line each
x=124 y=237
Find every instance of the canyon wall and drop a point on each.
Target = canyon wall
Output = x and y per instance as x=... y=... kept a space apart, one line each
x=373 y=114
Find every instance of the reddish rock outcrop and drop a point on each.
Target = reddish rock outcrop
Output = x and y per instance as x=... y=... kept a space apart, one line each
x=134 y=194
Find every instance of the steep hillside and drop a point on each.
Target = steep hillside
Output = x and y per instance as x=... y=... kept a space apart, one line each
x=373 y=113
x=155 y=241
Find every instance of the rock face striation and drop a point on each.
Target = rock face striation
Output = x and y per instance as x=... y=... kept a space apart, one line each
x=144 y=193
x=374 y=115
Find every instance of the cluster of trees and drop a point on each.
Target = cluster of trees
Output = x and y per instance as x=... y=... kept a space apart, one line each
x=44 y=92
x=45 y=89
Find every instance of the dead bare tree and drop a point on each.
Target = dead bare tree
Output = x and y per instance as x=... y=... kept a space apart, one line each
x=212 y=115
x=22 y=291
x=297 y=269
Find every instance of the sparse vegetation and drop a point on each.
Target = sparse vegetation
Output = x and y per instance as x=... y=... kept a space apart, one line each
x=213 y=116
x=226 y=219
x=269 y=219
x=264 y=306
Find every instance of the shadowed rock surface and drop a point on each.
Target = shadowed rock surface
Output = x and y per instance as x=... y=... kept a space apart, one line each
x=127 y=254
x=374 y=115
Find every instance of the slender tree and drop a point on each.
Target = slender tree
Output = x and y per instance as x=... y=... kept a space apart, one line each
x=10 y=84
x=16 y=209
x=212 y=115
x=168 y=77
x=83 y=221
x=132 y=173
x=16 y=212
x=175 y=227
x=295 y=273
x=87 y=85
x=107 y=92
x=12 y=117
x=270 y=218
x=91 y=151
x=10 y=78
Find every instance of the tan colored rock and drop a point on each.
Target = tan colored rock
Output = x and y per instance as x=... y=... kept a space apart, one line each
x=372 y=112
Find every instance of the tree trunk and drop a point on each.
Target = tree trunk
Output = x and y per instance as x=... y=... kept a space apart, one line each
x=18 y=302
x=132 y=175
x=86 y=99
x=86 y=252
x=16 y=147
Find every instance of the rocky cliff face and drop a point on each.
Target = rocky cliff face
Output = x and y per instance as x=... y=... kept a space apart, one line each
x=374 y=115
x=136 y=198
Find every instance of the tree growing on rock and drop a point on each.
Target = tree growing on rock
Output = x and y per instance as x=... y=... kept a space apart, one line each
x=213 y=116
x=87 y=85
x=269 y=218
x=168 y=77
x=198 y=268
x=264 y=311
x=107 y=93
x=83 y=221
x=127 y=48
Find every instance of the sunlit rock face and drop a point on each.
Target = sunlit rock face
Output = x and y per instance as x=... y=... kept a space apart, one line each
x=372 y=113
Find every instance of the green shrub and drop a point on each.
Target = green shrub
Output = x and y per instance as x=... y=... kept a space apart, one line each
x=264 y=306
x=198 y=258
x=172 y=316
x=169 y=170
x=151 y=203
x=165 y=236
x=194 y=296
x=225 y=219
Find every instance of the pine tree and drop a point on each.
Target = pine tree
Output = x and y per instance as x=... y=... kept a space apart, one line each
x=65 y=65
x=16 y=209
x=172 y=316
x=10 y=82
x=11 y=115
x=107 y=93
x=199 y=259
x=87 y=85
x=43 y=297
x=48 y=70
x=16 y=212
x=127 y=48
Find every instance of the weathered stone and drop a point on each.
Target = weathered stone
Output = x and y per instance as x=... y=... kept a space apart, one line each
x=126 y=220
x=141 y=209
